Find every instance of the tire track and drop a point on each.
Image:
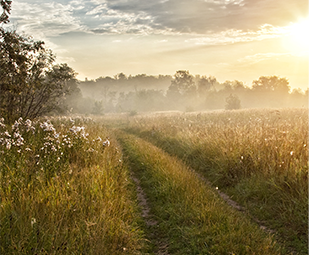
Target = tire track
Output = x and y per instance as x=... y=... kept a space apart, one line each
x=158 y=240
x=148 y=218
x=234 y=204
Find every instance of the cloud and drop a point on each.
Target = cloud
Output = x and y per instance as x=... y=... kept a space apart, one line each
x=256 y=58
x=226 y=19
x=209 y=21
x=44 y=19
x=201 y=16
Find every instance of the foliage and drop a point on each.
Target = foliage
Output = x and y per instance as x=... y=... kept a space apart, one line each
x=30 y=84
x=271 y=83
x=205 y=84
x=184 y=91
x=232 y=102
x=98 y=108
x=6 y=6
x=182 y=83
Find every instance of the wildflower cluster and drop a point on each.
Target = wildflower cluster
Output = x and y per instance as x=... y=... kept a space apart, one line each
x=14 y=137
x=45 y=146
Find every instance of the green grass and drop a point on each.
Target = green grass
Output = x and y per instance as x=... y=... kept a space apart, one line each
x=63 y=192
x=259 y=157
x=76 y=200
x=191 y=218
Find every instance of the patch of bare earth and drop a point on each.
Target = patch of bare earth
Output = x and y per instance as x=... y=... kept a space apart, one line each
x=148 y=218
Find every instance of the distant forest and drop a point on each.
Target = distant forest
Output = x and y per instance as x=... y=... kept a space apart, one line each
x=182 y=92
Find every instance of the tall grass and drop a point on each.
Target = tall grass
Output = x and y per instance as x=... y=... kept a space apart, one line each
x=63 y=192
x=190 y=217
x=259 y=157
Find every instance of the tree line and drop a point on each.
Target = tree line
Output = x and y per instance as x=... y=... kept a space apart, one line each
x=185 y=92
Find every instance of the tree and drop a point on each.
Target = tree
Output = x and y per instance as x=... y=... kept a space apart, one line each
x=6 y=6
x=271 y=83
x=205 y=84
x=30 y=83
x=183 y=82
x=121 y=77
x=182 y=87
x=58 y=86
x=271 y=91
x=232 y=102
x=98 y=108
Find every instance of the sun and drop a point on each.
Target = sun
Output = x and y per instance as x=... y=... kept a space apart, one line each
x=300 y=33
x=298 y=36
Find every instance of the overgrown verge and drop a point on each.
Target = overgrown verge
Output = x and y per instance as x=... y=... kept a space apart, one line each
x=258 y=157
x=64 y=191
x=191 y=218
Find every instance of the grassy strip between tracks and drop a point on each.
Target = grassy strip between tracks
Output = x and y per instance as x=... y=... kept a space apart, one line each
x=191 y=218
x=258 y=157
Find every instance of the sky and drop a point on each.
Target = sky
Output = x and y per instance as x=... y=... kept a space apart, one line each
x=229 y=39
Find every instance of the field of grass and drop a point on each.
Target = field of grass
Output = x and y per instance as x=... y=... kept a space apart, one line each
x=258 y=157
x=63 y=192
x=71 y=186
x=189 y=217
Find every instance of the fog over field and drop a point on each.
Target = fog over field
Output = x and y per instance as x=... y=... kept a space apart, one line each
x=182 y=92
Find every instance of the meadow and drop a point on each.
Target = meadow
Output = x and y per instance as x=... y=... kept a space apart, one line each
x=258 y=157
x=64 y=190
x=74 y=185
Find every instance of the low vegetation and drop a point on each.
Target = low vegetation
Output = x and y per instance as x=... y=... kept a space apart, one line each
x=70 y=185
x=64 y=191
x=189 y=216
x=259 y=157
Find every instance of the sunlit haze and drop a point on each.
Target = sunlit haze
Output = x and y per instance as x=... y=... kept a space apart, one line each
x=229 y=39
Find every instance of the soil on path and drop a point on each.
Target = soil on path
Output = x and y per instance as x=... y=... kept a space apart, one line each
x=148 y=218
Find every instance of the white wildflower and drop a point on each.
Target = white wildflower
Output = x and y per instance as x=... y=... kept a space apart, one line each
x=15 y=126
x=19 y=141
x=33 y=221
x=28 y=122
x=106 y=143
x=7 y=134
x=47 y=126
x=8 y=144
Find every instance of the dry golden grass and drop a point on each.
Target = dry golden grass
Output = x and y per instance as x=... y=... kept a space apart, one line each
x=259 y=157
x=190 y=217
x=74 y=196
